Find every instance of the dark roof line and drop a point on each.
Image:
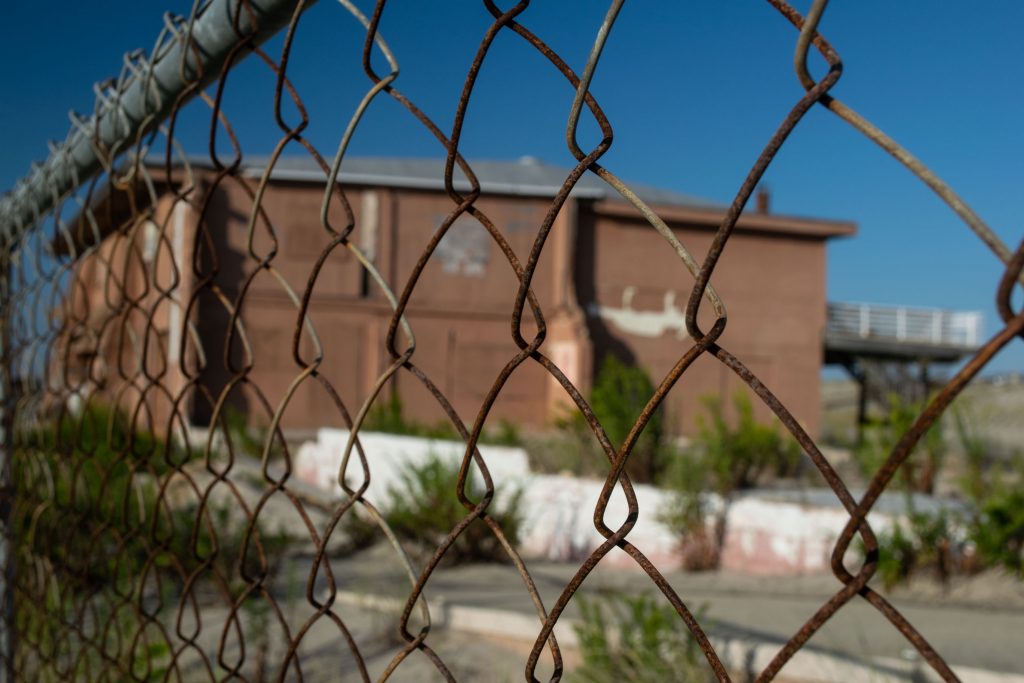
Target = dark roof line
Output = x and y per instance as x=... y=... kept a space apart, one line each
x=528 y=176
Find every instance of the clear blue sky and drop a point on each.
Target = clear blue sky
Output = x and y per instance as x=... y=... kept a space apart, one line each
x=693 y=91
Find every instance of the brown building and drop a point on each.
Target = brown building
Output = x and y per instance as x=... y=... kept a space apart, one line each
x=607 y=283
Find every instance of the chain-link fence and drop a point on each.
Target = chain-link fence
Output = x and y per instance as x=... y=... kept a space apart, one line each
x=136 y=543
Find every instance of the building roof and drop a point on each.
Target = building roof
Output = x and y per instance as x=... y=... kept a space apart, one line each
x=532 y=177
x=528 y=176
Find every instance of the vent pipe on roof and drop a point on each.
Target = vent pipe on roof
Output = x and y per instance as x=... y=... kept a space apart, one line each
x=763 y=199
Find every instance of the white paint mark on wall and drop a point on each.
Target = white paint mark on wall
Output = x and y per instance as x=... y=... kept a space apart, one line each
x=465 y=249
x=174 y=317
x=643 y=323
x=369 y=224
x=150 y=240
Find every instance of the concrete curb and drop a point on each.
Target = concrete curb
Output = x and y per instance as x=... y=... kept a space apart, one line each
x=738 y=654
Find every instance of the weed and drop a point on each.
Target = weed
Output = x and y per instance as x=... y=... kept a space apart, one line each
x=98 y=469
x=975 y=450
x=725 y=457
x=738 y=456
x=925 y=542
x=424 y=508
x=507 y=434
x=635 y=639
x=920 y=471
x=997 y=529
x=992 y=532
x=619 y=395
x=101 y=532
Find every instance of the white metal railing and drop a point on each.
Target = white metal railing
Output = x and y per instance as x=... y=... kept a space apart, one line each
x=904 y=324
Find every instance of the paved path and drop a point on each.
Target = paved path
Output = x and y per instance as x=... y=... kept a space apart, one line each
x=984 y=632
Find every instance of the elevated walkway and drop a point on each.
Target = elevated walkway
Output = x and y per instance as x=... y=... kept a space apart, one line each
x=856 y=331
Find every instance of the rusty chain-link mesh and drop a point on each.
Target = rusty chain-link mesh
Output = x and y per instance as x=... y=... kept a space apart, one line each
x=101 y=581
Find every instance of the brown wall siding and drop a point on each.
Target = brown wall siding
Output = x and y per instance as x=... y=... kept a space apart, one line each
x=460 y=309
x=468 y=271
x=773 y=288
x=461 y=356
x=464 y=357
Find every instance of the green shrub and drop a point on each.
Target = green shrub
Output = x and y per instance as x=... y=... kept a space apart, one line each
x=220 y=542
x=739 y=455
x=726 y=456
x=507 y=434
x=92 y=473
x=686 y=511
x=993 y=529
x=920 y=471
x=424 y=508
x=975 y=450
x=44 y=625
x=84 y=514
x=897 y=555
x=387 y=416
x=87 y=504
x=619 y=395
x=568 y=448
x=998 y=529
x=104 y=475
x=250 y=439
x=635 y=639
x=924 y=543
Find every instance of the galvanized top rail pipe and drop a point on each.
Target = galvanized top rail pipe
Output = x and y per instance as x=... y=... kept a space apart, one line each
x=193 y=56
